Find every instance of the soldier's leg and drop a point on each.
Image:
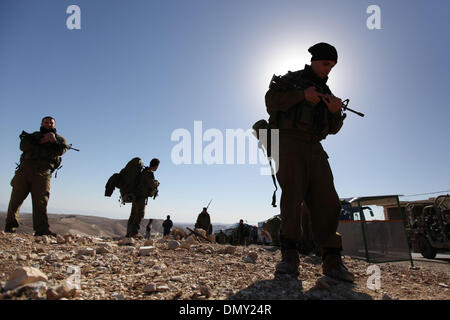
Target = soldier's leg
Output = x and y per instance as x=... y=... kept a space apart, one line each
x=324 y=205
x=40 y=193
x=291 y=176
x=323 y=202
x=20 y=191
x=136 y=216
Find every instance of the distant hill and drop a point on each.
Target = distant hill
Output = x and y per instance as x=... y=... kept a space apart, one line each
x=92 y=225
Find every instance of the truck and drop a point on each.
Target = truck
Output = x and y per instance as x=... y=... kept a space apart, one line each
x=428 y=226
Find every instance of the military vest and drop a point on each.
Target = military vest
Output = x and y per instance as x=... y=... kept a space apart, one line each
x=313 y=119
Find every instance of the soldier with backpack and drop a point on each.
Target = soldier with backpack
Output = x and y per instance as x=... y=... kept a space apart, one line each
x=136 y=184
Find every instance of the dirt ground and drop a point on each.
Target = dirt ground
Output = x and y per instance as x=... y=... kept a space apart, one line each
x=194 y=270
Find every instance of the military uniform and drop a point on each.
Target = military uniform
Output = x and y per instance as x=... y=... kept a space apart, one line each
x=136 y=216
x=167 y=225
x=303 y=170
x=243 y=234
x=139 y=202
x=204 y=222
x=33 y=174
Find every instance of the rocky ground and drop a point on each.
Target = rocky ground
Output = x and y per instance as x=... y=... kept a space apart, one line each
x=46 y=268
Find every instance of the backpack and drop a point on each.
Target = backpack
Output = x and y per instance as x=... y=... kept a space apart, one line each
x=134 y=180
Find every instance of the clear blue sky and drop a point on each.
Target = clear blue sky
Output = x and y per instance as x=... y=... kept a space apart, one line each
x=138 y=70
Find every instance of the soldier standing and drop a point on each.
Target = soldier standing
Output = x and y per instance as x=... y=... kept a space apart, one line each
x=148 y=229
x=167 y=225
x=204 y=222
x=42 y=151
x=305 y=111
x=138 y=204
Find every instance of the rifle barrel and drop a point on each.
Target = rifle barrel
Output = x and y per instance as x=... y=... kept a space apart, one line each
x=351 y=110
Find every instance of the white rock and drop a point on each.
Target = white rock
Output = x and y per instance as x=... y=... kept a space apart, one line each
x=25 y=275
x=173 y=244
x=146 y=250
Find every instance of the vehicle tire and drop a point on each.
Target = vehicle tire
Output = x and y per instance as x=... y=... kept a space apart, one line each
x=425 y=248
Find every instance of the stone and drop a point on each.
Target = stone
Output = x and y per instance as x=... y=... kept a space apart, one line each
x=201 y=231
x=25 y=275
x=229 y=250
x=205 y=290
x=161 y=241
x=148 y=243
x=173 y=244
x=21 y=257
x=212 y=238
x=251 y=257
x=162 y=288
x=86 y=252
x=177 y=278
x=127 y=242
x=35 y=290
x=191 y=239
x=60 y=239
x=185 y=245
x=69 y=287
x=118 y=296
x=102 y=250
x=150 y=288
x=146 y=250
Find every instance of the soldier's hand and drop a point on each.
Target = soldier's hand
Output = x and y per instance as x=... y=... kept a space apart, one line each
x=333 y=103
x=51 y=137
x=312 y=96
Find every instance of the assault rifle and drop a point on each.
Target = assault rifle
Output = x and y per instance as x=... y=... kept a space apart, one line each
x=37 y=136
x=283 y=84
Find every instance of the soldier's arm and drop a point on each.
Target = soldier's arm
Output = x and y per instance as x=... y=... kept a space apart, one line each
x=60 y=146
x=336 y=120
x=28 y=142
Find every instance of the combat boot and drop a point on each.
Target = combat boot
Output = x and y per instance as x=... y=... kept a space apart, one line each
x=289 y=262
x=10 y=230
x=45 y=233
x=333 y=267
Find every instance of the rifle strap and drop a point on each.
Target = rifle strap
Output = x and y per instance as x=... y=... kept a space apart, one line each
x=274 y=196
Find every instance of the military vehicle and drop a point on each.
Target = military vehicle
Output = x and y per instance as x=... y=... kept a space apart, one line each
x=428 y=226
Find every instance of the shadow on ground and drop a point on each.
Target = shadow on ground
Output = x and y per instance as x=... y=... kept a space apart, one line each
x=290 y=288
